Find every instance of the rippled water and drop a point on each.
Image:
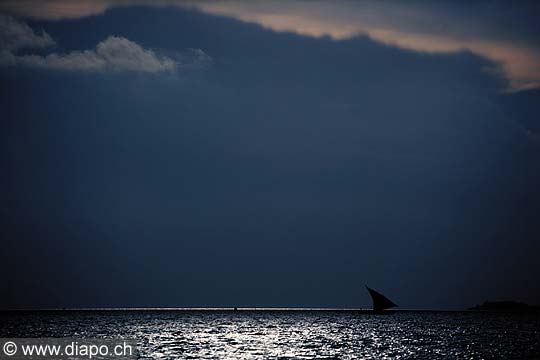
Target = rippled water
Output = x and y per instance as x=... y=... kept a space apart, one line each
x=294 y=334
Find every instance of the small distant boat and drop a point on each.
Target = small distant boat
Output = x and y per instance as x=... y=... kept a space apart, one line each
x=380 y=302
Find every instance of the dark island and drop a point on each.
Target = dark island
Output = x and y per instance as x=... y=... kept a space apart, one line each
x=506 y=306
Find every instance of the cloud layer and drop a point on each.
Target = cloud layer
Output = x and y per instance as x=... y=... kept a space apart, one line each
x=114 y=54
x=458 y=28
x=482 y=28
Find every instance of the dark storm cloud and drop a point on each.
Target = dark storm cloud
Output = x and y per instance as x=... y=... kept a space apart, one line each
x=505 y=32
x=288 y=174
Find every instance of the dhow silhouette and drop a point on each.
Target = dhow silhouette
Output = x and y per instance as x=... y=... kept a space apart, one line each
x=381 y=303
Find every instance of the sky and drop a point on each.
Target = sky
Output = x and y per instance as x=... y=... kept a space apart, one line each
x=268 y=154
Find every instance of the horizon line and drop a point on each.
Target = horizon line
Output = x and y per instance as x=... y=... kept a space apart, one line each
x=230 y=308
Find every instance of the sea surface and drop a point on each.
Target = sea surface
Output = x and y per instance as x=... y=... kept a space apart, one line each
x=220 y=334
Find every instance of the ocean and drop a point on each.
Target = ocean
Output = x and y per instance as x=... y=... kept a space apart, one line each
x=292 y=334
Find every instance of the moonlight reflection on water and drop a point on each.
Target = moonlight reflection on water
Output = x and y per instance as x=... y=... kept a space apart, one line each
x=294 y=334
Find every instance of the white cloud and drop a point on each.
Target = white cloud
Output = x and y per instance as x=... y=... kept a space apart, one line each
x=15 y=35
x=114 y=54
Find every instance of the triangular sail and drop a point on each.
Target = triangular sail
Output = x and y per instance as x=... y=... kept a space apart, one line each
x=380 y=302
